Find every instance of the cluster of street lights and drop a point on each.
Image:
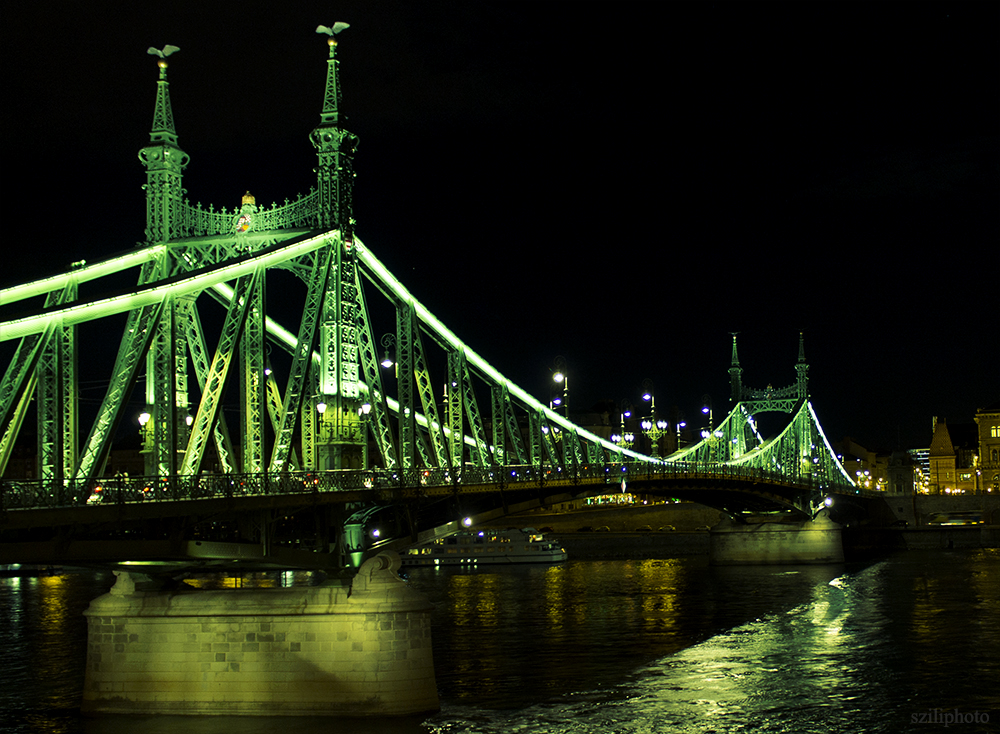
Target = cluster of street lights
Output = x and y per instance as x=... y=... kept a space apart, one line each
x=653 y=427
x=709 y=432
x=625 y=439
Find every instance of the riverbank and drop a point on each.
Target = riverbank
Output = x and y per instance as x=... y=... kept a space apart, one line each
x=613 y=532
x=682 y=516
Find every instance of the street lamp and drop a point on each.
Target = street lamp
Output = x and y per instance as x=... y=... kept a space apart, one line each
x=655 y=429
x=388 y=341
x=363 y=411
x=560 y=377
x=710 y=434
x=146 y=433
x=624 y=439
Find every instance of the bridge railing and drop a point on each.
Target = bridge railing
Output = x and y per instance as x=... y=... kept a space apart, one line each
x=616 y=476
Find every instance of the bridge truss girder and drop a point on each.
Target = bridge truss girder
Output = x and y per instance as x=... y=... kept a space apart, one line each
x=193 y=377
x=800 y=451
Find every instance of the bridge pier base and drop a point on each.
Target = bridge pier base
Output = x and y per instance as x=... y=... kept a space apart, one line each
x=774 y=543
x=362 y=649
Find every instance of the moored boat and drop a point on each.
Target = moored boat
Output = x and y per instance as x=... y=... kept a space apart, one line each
x=486 y=547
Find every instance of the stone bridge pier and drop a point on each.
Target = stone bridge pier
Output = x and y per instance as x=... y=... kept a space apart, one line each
x=776 y=543
x=358 y=648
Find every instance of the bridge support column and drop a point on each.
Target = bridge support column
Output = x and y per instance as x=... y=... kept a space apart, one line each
x=362 y=649
x=775 y=543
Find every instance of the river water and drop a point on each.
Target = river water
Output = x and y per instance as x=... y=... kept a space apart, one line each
x=910 y=643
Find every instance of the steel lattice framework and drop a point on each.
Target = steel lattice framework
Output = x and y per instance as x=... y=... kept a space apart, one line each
x=202 y=265
x=333 y=396
x=800 y=451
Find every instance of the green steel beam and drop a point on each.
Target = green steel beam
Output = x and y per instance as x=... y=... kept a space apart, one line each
x=139 y=330
x=214 y=385
x=195 y=338
x=380 y=425
x=252 y=352
x=480 y=448
x=296 y=400
x=57 y=396
x=405 y=393
x=425 y=390
x=162 y=396
x=12 y=428
x=453 y=400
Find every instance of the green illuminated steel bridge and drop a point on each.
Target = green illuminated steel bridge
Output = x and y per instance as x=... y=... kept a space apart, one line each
x=254 y=336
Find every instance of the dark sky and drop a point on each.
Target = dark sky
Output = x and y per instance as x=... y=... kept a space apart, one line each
x=622 y=184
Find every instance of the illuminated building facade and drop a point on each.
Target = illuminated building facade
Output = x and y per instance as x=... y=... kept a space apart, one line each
x=869 y=469
x=988 y=424
x=952 y=459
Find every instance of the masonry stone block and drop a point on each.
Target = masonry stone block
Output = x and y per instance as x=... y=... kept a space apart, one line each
x=773 y=543
x=297 y=651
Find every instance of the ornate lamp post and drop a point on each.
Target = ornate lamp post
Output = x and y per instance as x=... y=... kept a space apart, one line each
x=146 y=433
x=709 y=434
x=655 y=429
x=388 y=342
x=624 y=439
x=706 y=401
x=364 y=410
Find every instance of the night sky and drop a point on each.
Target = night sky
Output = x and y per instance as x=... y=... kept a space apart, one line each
x=622 y=184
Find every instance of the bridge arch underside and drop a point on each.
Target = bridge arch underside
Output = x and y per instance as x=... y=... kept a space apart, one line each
x=330 y=531
x=735 y=497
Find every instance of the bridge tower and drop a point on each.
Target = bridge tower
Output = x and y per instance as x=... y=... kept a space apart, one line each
x=327 y=399
x=802 y=371
x=164 y=419
x=800 y=449
x=782 y=399
x=340 y=435
x=735 y=376
x=800 y=391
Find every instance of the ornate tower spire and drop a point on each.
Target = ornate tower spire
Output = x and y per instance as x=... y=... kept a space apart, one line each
x=736 y=375
x=164 y=160
x=802 y=371
x=340 y=430
x=335 y=148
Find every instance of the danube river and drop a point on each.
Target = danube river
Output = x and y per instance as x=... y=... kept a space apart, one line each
x=910 y=643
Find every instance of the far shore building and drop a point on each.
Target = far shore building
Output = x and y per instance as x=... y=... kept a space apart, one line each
x=953 y=458
x=869 y=469
x=988 y=425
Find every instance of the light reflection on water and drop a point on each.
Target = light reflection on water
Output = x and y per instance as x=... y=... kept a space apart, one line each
x=512 y=634
x=617 y=646
x=860 y=655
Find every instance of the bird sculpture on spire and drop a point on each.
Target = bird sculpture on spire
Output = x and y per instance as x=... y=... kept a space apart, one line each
x=337 y=28
x=164 y=53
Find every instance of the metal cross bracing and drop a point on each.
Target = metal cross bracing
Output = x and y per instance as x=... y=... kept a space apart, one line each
x=800 y=451
x=164 y=325
x=203 y=353
x=196 y=387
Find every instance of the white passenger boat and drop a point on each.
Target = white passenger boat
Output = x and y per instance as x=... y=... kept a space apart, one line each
x=483 y=547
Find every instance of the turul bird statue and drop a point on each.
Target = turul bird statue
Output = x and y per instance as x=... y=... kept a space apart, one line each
x=167 y=50
x=337 y=28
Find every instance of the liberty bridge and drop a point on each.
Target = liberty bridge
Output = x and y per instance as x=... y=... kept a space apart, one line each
x=272 y=437
x=370 y=469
